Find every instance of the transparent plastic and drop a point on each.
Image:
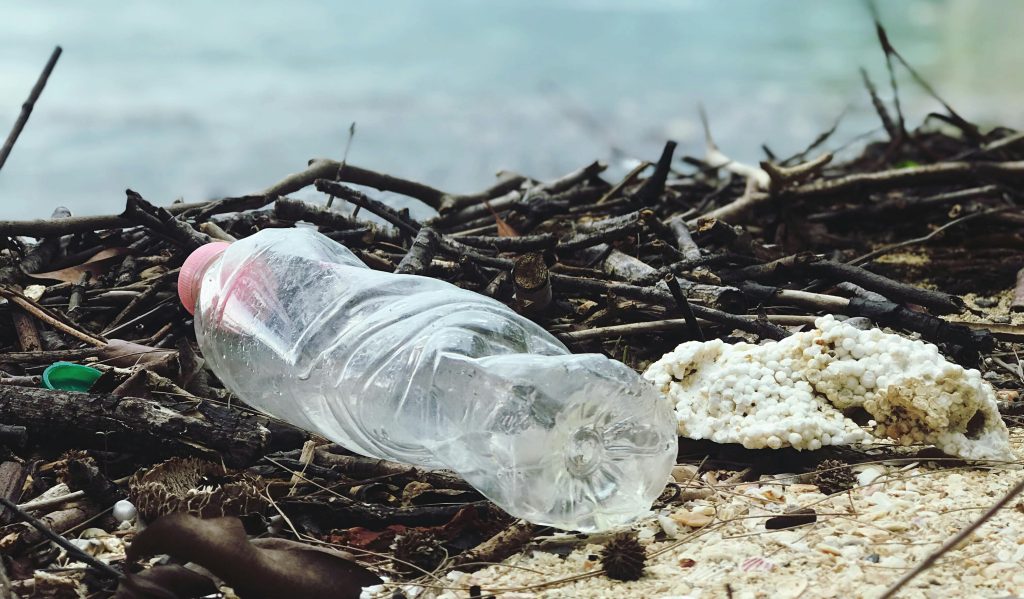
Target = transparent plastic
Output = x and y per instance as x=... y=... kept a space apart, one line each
x=417 y=370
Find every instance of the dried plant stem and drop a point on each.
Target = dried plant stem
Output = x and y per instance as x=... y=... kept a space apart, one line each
x=30 y=103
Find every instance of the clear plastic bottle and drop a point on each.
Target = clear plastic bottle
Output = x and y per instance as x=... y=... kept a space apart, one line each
x=417 y=370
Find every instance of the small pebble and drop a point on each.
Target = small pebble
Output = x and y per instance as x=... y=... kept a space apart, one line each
x=682 y=473
x=860 y=322
x=692 y=519
x=669 y=526
x=829 y=549
x=869 y=474
x=124 y=511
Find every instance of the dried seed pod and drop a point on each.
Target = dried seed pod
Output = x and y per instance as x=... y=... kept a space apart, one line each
x=834 y=476
x=624 y=558
x=417 y=552
x=195 y=486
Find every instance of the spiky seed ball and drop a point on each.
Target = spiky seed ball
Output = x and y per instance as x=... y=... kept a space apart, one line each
x=420 y=549
x=833 y=477
x=624 y=558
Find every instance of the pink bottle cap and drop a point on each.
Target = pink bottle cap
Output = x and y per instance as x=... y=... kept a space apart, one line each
x=192 y=269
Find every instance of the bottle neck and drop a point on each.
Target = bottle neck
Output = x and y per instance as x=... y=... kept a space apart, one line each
x=190 y=277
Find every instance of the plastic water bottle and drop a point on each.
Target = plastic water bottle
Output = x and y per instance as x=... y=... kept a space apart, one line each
x=417 y=370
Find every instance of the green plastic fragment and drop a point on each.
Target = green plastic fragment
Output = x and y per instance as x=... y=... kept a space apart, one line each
x=68 y=376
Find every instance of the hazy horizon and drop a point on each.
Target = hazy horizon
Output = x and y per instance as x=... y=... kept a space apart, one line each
x=197 y=101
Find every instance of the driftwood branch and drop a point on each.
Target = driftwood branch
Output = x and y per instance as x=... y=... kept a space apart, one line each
x=137 y=425
x=26 y=108
x=160 y=220
x=807 y=264
x=929 y=174
x=403 y=222
x=295 y=210
x=420 y=253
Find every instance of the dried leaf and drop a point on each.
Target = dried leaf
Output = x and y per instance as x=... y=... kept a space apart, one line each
x=364 y=538
x=165 y=582
x=504 y=229
x=96 y=265
x=126 y=354
x=189 y=363
x=266 y=568
x=418 y=493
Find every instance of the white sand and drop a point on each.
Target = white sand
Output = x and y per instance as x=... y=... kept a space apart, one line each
x=863 y=541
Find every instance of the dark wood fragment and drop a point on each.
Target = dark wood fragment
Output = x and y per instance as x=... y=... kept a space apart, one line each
x=684 y=307
x=532 y=282
x=792 y=519
x=405 y=224
x=137 y=425
x=162 y=222
x=420 y=253
x=652 y=189
x=341 y=512
x=28 y=105
x=83 y=475
x=1017 y=304
x=684 y=241
x=523 y=243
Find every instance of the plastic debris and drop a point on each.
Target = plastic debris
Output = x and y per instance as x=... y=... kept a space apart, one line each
x=67 y=376
x=793 y=393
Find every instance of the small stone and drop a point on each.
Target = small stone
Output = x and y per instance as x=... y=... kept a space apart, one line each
x=693 y=492
x=829 y=549
x=34 y=292
x=859 y=322
x=1007 y=394
x=869 y=475
x=993 y=570
x=692 y=519
x=669 y=526
x=124 y=511
x=682 y=473
x=894 y=525
x=893 y=561
x=874 y=535
x=800 y=488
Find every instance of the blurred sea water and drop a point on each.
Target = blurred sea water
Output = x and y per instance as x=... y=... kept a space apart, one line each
x=197 y=99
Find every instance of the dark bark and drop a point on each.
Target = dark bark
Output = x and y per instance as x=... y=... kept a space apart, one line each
x=139 y=425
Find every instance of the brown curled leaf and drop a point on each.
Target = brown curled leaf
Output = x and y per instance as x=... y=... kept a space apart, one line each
x=504 y=229
x=261 y=569
x=125 y=354
x=95 y=265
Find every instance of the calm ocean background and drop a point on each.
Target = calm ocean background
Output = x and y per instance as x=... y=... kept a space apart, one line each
x=198 y=99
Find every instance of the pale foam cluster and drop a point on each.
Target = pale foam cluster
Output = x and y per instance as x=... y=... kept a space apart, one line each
x=791 y=393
